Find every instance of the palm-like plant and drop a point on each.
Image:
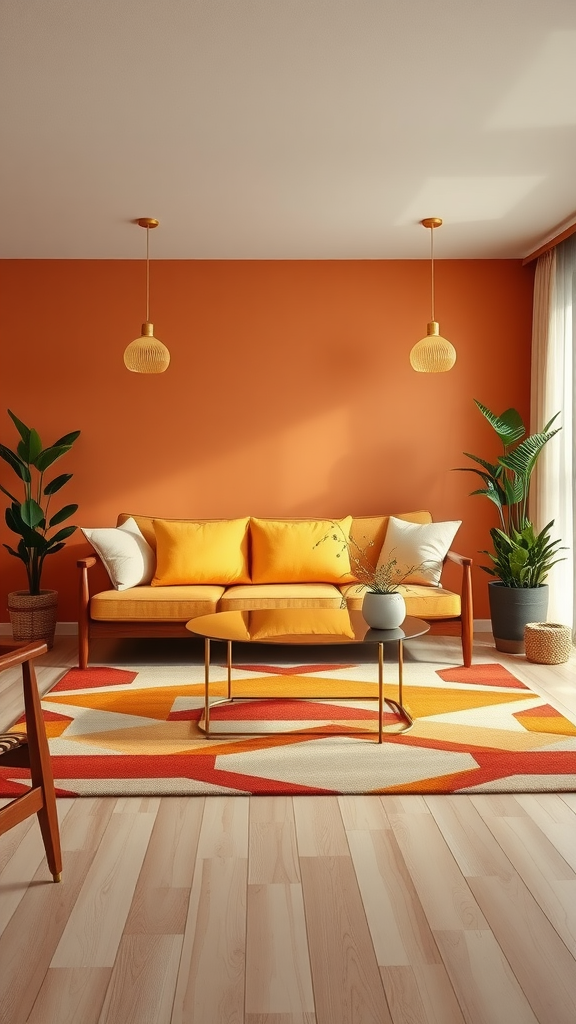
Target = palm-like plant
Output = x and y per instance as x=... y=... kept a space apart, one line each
x=29 y=518
x=522 y=558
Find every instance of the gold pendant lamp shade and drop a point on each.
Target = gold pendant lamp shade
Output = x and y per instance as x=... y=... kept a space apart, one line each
x=147 y=354
x=432 y=354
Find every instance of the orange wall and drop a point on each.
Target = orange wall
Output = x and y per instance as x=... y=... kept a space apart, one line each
x=289 y=391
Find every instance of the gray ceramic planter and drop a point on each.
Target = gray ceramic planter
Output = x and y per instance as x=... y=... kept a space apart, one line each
x=511 y=608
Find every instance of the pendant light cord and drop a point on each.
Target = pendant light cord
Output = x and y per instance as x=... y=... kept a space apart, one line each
x=432 y=268
x=147 y=275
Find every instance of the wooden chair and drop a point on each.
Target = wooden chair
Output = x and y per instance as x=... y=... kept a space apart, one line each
x=30 y=751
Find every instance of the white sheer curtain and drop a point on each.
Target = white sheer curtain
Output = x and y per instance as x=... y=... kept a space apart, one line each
x=554 y=389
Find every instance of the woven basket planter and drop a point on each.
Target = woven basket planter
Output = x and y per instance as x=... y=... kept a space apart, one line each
x=33 y=616
x=547 y=643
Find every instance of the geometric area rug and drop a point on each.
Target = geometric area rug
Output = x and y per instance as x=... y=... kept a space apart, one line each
x=119 y=732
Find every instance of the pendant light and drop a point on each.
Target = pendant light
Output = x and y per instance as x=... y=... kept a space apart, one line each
x=432 y=354
x=147 y=354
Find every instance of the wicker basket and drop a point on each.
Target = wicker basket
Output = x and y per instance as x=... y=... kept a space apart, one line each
x=547 y=643
x=33 y=616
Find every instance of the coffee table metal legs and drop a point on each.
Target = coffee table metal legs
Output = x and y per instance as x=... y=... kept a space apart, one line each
x=396 y=706
x=205 y=725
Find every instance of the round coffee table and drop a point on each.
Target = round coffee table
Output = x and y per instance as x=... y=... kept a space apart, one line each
x=300 y=626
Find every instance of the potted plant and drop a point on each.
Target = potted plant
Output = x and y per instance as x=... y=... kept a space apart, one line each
x=383 y=606
x=33 y=611
x=522 y=558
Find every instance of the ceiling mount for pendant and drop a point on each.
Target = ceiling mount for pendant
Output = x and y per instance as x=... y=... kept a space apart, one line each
x=147 y=354
x=432 y=354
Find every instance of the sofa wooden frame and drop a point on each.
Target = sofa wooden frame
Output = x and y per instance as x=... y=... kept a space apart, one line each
x=92 y=629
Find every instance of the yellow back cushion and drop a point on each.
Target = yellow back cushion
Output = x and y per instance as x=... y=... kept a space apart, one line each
x=201 y=552
x=300 y=550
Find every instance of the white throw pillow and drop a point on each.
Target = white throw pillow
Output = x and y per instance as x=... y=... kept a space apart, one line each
x=418 y=544
x=127 y=555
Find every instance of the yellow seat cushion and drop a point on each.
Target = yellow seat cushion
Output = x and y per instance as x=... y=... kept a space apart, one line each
x=300 y=550
x=421 y=601
x=155 y=604
x=190 y=552
x=280 y=595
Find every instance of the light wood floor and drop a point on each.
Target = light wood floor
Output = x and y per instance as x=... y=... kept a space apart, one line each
x=312 y=910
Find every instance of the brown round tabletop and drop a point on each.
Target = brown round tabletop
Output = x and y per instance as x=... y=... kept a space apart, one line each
x=303 y=626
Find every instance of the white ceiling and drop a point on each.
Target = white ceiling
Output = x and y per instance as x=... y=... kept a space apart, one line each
x=285 y=129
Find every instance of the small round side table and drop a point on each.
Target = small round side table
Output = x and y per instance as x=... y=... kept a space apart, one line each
x=547 y=643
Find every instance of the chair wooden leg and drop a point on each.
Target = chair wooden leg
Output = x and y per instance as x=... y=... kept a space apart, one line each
x=467 y=643
x=467 y=616
x=41 y=771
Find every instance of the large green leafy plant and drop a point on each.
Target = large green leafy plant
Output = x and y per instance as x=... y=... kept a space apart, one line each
x=29 y=519
x=521 y=557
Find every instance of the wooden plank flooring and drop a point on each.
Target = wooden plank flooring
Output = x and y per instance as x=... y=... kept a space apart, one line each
x=305 y=910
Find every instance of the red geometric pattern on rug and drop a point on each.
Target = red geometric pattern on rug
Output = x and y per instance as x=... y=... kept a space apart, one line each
x=542 y=711
x=278 y=710
x=85 y=679
x=468 y=737
x=485 y=675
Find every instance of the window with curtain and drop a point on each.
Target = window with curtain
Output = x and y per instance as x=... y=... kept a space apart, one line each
x=553 y=390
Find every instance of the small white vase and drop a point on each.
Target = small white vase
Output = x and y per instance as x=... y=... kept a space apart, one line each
x=383 y=611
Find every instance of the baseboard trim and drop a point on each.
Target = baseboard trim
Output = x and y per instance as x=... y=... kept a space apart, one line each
x=62 y=629
x=71 y=628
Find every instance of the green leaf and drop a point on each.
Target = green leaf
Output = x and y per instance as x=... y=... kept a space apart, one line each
x=17 y=465
x=508 y=425
x=54 y=549
x=490 y=493
x=550 y=422
x=513 y=489
x=15 y=553
x=57 y=483
x=494 y=471
x=62 y=534
x=8 y=495
x=22 y=429
x=32 y=514
x=30 y=449
x=63 y=514
x=523 y=459
x=49 y=455
x=67 y=441
x=14 y=521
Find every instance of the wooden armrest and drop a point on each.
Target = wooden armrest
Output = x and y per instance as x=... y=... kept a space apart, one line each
x=13 y=653
x=86 y=563
x=453 y=556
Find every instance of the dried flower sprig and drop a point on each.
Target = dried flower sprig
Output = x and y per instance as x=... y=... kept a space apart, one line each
x=386 y=578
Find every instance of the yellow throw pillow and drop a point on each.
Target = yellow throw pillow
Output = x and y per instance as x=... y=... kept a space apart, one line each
x=300 y=551
x=208 y=552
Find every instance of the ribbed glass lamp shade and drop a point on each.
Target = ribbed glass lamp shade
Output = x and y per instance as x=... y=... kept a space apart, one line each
x=147 y=354
x=433 y=354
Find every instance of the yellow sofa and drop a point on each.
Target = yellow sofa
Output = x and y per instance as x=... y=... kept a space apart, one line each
x=163 y=610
